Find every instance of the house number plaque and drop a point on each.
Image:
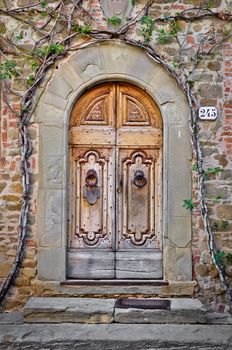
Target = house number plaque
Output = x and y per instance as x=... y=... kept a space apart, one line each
x=208 y=113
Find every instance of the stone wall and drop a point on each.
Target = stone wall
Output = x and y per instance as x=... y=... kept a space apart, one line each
x=213 y=86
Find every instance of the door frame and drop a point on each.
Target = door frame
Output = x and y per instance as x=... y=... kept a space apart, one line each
x=83 y=69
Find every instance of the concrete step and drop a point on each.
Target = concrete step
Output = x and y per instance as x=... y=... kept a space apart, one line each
x=97 y=311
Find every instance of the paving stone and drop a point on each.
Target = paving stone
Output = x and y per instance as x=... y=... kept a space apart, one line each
x=182 y=310
x=78 y=310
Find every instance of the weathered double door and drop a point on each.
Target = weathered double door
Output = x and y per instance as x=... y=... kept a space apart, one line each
x=115 y=186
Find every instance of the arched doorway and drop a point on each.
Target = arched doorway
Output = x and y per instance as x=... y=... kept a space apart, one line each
x=85 y=68
x=115 y=185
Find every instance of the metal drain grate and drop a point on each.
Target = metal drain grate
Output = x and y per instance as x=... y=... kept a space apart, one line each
x=164 y=304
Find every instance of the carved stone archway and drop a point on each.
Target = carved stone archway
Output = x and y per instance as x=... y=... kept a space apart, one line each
x=85 y=68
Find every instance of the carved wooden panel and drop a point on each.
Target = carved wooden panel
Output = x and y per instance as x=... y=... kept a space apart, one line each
x=92 y=202
x=137 y=198
x=95 y=107
x=136 y=108
x=97 y=112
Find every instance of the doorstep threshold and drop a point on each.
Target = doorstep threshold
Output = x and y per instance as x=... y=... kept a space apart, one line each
x=113 y=282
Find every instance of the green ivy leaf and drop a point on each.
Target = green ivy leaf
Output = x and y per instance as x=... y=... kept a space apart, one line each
x=81 y=29
x=212 y=171
x=114 y=21
x=43 y=4
x=164 y=37
x=219 y=259
x=147 y=28
x=188 y=204
x=7 y=70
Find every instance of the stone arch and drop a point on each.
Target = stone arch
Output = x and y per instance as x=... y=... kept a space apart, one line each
x=116 y=61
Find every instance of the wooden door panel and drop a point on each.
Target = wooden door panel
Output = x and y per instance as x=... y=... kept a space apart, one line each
x=143 y=137
x=137 y=198
x=92 y=203
x=139 y=265
x=91 y=264
x=92 y=136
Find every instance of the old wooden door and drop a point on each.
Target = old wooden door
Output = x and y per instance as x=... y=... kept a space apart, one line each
x=115 y=186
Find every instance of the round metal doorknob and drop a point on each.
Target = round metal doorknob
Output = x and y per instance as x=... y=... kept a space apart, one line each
x=139 y=178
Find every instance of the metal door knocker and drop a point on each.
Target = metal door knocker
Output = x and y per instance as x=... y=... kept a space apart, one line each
x=91 y=191
x=139 y=179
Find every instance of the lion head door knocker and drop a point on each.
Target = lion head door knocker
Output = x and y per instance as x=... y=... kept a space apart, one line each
x=91 y=192
x=139 y=179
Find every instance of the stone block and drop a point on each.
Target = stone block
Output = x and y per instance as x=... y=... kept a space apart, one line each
x=11 y=318
x=165 y=86
x=210 y=91
x=183 y=264
x=50 y=235
x=88 y=63
x=51 y=264
x=183 y=310
x=70 y=310
x=177 y=263
x=29 y=272
x=115 y=336
x=54 y=100
x=177 y=288
x=50 y=204
x=180 y=170
x=53 y=174
x=140 y=66
x=59 y=87
x=225 y=212
x=115 y=57
x=69 y=75
x=4 y=268
x=169 y=261
x=50 y=218
x=179 y=228
x=175 y=112
x=45 y=113
x=180 y=141
x=51 y=138
x=176 y=196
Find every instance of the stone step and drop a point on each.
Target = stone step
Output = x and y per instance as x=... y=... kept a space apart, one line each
x=115 y=336
x=99 y=310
